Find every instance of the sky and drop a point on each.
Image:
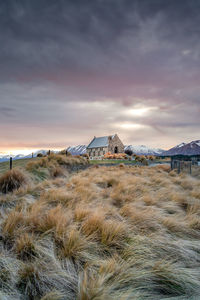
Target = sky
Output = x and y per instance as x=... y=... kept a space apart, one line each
x=74 y=69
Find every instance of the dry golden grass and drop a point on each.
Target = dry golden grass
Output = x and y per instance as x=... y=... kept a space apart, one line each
x=121 y=232
x=93 y=224
x=74 y=244
x=56 y=195
x=80 y=213
x=11 y=224
x=25 y=246
x=12 y=180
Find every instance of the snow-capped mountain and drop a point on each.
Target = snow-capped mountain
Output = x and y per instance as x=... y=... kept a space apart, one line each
x=6 y=157
x=144 y=150
x=192 y=148
x=77 y=150
x=180 y=145
x=43 y=152
x=140 y=150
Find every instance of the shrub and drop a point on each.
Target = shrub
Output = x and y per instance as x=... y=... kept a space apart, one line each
x=40 y=155
x=142 y=159
x=129 y=152
x=151 y=157
x=109 y=155
x=63 y=152
x=12 y=180
x=68 y=153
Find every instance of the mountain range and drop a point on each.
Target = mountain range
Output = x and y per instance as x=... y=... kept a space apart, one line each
x=6 y=157
x=192 y=148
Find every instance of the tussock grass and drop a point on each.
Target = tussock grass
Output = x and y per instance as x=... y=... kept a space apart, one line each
x=11 y=224
x=121 y=232
x=56 y=195
x=25 y=246
x=55 y=160
x=55 y=165
x=73 y=245
x=12 y=180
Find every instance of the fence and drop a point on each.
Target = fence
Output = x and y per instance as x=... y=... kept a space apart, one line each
x=182 y=166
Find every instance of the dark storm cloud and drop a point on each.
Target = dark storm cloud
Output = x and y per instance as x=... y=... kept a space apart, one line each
x=55 y=53
x=95 y=37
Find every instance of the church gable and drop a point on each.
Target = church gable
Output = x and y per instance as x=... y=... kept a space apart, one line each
x=115 y=145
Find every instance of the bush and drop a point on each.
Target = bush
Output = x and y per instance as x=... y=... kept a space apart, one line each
x=129 y=152
x=12 y=180
x=68 y=153
x=39 y=155
x=115 y=156
x=62 y=152
x=151 y=157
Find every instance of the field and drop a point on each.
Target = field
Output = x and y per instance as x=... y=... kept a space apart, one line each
x=103 y=233
x=128 y=162
x=111 y=161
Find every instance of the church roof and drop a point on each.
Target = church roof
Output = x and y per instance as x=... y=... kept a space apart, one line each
x=99 y=142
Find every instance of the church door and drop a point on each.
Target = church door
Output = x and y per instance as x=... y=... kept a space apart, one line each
x=116 y=150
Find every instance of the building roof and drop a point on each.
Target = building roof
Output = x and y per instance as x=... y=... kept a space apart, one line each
x=99 y=142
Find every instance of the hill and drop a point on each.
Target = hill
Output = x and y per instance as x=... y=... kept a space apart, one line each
x=5 y=165
x=118 y=232
x=192 y=148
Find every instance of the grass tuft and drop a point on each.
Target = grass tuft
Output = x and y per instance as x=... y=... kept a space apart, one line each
x=12 y=180
x=25 y=247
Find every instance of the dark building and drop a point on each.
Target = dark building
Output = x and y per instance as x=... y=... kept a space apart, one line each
x=180 y=157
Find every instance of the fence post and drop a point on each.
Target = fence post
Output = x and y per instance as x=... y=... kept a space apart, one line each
x=10 y=163
x=179 y=167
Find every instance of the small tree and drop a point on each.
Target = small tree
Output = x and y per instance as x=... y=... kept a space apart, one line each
x=62 y=152
x=129 y=152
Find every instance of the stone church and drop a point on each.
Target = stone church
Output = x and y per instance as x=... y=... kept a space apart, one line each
x=101 y=145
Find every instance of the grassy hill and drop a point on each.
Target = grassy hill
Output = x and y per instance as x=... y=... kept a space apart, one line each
x=119 y=232
x=4 y=166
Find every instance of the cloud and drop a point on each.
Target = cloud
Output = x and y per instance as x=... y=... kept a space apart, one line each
x=70 y=69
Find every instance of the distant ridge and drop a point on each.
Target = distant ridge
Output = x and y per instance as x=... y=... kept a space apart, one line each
x=192 y=148
x=6 y=157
